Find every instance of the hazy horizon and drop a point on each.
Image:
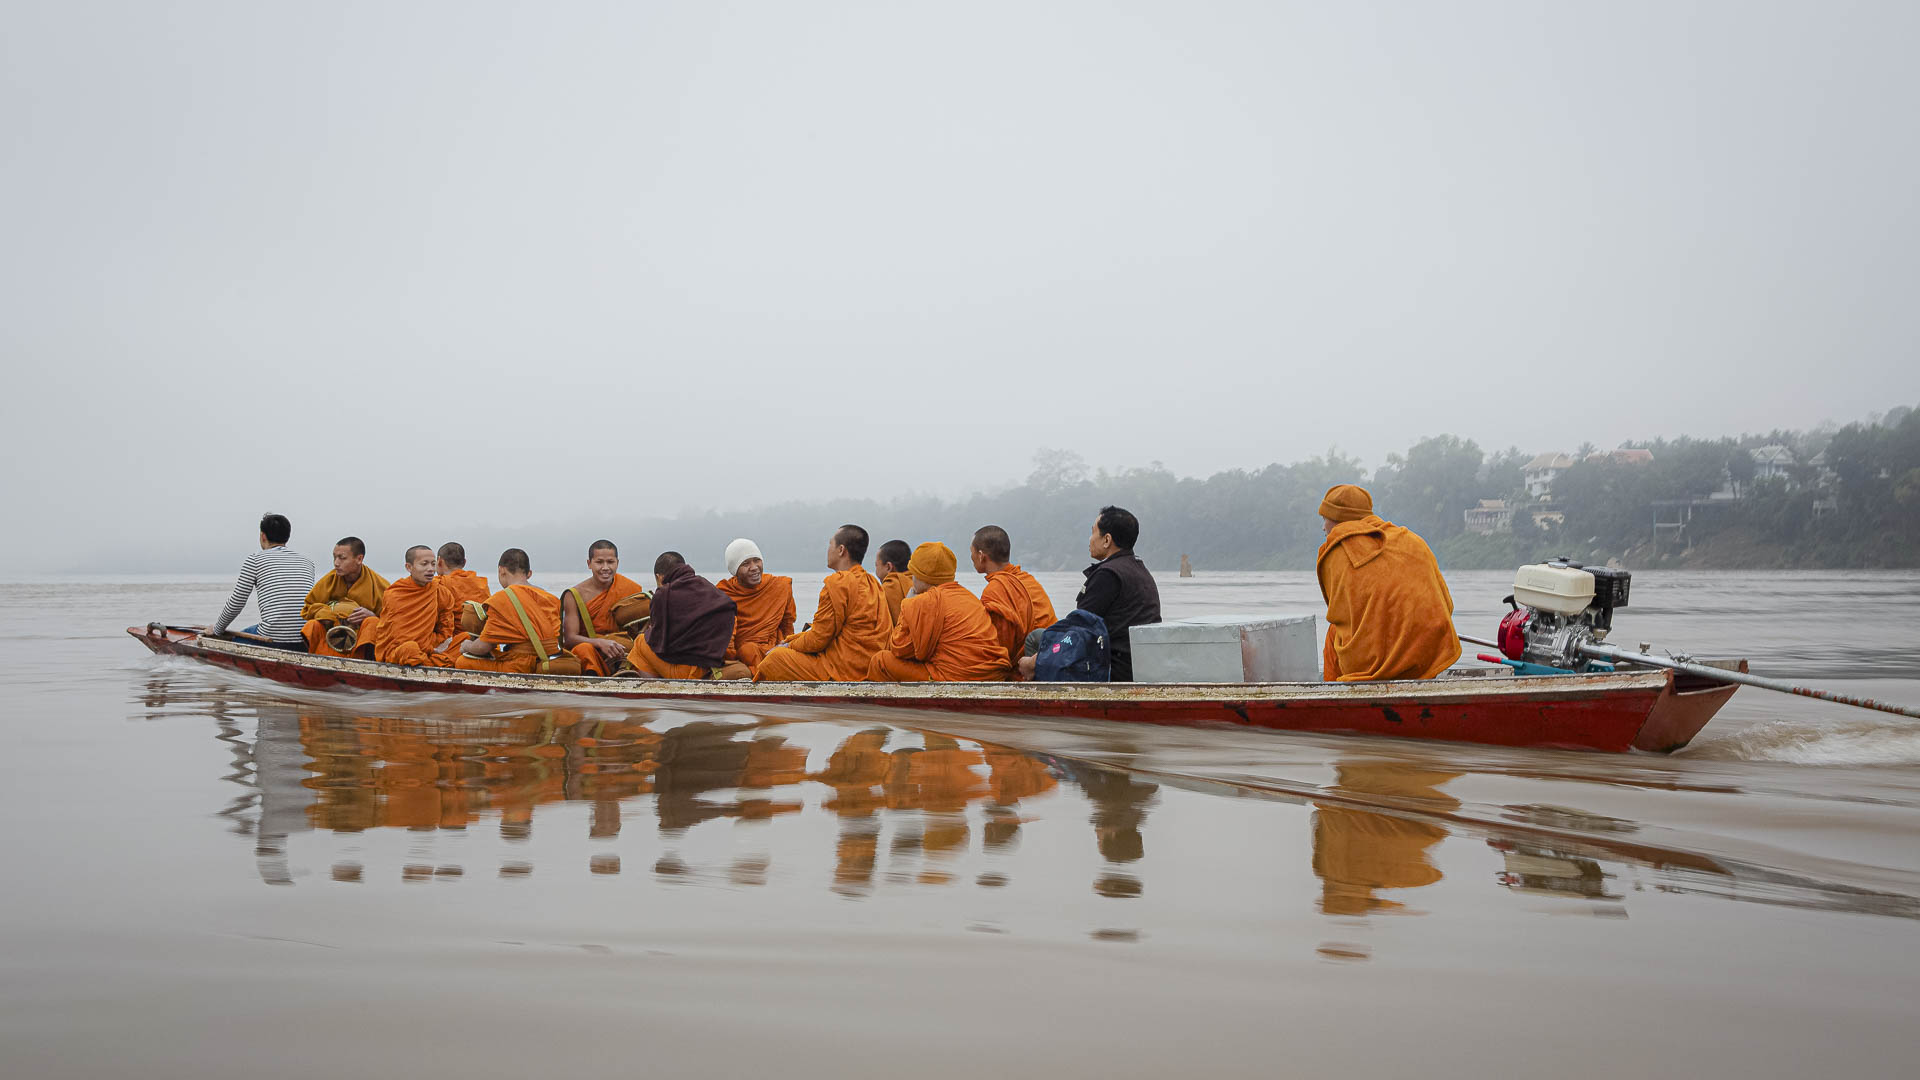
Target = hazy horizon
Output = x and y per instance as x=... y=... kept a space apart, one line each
x=416 y=270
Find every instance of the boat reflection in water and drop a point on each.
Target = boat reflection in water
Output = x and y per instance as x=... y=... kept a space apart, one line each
x=317 y=769
x=907 y=805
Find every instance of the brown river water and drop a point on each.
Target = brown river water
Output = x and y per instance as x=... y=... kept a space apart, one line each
x=211 y=876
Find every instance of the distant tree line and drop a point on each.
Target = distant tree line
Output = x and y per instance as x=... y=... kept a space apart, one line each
x=1867 y=491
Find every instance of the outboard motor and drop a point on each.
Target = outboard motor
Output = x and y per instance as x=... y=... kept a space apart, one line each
x=1557 y=607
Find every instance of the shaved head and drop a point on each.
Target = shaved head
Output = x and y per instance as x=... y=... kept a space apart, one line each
x=894 y=553
x=515 y=561
x=417 y=551
x=993 y=542
x=667 y=563
x=854 y=539
x=452 y=554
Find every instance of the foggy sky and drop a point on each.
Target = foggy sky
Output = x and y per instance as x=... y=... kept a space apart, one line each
x=429 y=265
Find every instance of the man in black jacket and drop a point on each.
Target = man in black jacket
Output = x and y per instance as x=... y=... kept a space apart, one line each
x=1119 y=588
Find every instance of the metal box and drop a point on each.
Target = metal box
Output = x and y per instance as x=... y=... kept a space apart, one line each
x=1227 y=649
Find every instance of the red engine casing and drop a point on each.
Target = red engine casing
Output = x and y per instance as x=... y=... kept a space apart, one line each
x=1513 y=633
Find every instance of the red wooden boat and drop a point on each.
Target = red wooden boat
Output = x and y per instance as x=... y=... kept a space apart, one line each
x=1648 y=709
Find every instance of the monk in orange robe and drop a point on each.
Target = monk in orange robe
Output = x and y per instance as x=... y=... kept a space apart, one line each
x=419 y=620
x=586 y=611
x=890 y=566
x=944 y=634
x=849 y=626
x=1015 y=601
x=465 y=584
x=689 y=630
x=503 y=644
x=763 y=604
x=1389 y=614
x=349 y=593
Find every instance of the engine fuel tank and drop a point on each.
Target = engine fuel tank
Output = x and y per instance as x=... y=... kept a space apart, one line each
x=1562 y=590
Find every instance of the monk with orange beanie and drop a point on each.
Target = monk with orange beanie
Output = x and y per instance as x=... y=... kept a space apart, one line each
x=504 y=644
x=419 y=618
x=586 y=612
x=944 y=633
x=1389 y=614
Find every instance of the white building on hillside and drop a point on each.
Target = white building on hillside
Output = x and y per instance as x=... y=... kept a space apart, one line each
x=1770 y=462
x=1542 y=471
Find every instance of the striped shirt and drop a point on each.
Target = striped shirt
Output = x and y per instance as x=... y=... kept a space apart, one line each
x=282 y=579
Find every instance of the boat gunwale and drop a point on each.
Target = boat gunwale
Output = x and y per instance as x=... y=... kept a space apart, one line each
x=1528 y=687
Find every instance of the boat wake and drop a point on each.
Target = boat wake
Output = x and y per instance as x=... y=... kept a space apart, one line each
x=1796 y=742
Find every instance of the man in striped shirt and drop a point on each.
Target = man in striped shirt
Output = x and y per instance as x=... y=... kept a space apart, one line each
x=281 y=580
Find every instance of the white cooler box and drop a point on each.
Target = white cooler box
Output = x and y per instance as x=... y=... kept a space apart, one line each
x=1227 y=649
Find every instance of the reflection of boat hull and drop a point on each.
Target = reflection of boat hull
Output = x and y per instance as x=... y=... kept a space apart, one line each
x=1646 y=710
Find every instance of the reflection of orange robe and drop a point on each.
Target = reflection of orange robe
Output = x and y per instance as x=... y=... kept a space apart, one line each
x=1389 y=614
x=897 y=585
x=466 y=585
x=414 y=619
x=1356 y=851
x=763 y=616
x=944 y=635
x=1018 y=606
x=600 y=616
x=503 y=631
x=849 y=626
x=332 y=599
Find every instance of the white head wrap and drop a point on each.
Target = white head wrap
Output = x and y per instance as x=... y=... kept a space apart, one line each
x=740 y=551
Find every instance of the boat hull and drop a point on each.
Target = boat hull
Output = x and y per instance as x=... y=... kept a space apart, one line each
x=1611 y=712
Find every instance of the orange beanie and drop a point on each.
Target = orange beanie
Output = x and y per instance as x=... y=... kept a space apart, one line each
x=1346 y=502
x=933 y=563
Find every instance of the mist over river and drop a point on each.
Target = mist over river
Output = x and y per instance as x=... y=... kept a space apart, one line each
x=213 y=876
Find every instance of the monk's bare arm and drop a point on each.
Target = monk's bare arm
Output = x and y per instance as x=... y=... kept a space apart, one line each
x=570 y=634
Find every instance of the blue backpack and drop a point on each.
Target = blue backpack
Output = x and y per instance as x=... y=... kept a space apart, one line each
x=1073 y=650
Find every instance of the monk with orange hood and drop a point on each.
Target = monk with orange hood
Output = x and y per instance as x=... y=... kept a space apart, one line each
x=419 y=618
x=1015 y=601
x=850 y=623
x=944 y=634
x=763 y=603
x=504 y=643
x=586 y=612
x=1389 y=614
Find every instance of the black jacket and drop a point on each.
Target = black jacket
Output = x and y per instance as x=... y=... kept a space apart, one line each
x=1121 y=591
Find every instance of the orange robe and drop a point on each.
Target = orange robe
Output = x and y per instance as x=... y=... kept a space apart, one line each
x=1017 y=606
x=944 y=635
x=1389 y=614
x=466 y=585
x=331 y=600
x=897 y=585
x=599 y=615
x=763 y=616
x=414 y=619
x=648 y=662
x=503 y=630
x=849 y=626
